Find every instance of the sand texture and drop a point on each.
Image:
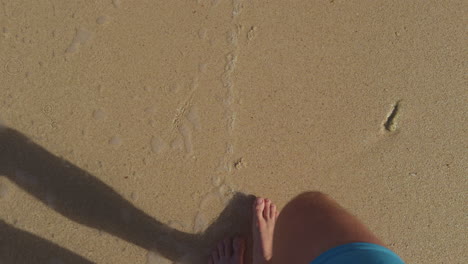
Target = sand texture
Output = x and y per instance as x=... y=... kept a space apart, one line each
x=134 y=131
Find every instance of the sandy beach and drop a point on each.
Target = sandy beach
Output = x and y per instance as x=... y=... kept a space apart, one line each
x=135 y=131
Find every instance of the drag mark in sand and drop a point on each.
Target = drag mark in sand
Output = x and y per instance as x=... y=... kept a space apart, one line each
x=181 y=112
x=229 y=85
x=184 y=123
x=186 y=120
x=222 y=190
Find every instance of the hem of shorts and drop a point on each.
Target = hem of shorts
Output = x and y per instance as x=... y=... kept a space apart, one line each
x=333 y=252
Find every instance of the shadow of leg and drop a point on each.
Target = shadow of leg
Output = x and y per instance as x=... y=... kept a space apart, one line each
x=17 y=246
x=83 y=198
x=234 y=220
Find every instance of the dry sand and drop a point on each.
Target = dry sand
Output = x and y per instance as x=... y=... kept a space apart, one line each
x=178 y=105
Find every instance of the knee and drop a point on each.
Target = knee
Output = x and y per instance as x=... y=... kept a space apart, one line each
x=308 y=199
x=305 y=207
x=312 y=195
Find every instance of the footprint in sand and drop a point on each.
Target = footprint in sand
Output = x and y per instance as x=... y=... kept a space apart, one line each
x=194 y=118
x=211 y=202
x=203 y=33
x=81 y=37
x=252 y=33
x=116 y=3
x=99 y=114
x=186 y=133
x=102 y=20
x=158 y=145
x=115 y=141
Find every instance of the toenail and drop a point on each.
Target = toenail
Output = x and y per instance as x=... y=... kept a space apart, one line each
x=259 y=200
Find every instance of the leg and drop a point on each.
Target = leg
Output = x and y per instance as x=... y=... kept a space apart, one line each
x=313 y=223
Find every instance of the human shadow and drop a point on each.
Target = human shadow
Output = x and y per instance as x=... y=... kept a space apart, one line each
x=18 y=246
x=83 y=198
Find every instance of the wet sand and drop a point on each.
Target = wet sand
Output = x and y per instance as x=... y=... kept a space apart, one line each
x=165 y=110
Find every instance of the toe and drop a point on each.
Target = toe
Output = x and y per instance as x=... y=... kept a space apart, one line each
x=259 y=207
x=228 y=247
x=210 y=261
x=266 y=211
x=215 y=256
x=221 y=250
x=273 y=211
x=238 y=246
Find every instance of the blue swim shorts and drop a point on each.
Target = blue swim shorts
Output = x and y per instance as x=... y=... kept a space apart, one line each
x=358 y=253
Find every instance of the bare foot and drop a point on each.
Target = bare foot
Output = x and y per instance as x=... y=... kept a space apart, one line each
x=264 y=220
x=229 y=251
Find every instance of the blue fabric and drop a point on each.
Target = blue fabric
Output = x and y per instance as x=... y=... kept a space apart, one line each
x=358 y=253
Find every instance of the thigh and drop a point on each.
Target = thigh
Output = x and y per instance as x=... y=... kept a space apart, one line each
x=313 y=223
